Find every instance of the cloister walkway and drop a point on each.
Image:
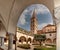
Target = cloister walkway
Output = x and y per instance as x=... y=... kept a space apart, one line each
x=6 y=47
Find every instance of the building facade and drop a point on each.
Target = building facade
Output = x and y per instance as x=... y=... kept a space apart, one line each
x=50 y=32
x=23 y=35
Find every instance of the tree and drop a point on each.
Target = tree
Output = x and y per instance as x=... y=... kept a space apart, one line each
x=39 y=38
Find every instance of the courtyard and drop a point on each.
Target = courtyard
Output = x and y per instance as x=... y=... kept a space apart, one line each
x=32 y=47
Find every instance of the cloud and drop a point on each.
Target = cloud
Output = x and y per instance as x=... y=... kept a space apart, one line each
x=42 y=11
x=22 y=20
x=40 y=26
x=39 y=9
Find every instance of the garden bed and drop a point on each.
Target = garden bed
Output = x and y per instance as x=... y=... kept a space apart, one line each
x=24 y=46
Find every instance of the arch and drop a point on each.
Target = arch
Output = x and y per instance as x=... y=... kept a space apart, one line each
x=22 y=39
x=54 y=40
x=19 y=6
x=48 y=40
x=34 y=41
x=2 y=21
x=2 y=29
x=29 y=40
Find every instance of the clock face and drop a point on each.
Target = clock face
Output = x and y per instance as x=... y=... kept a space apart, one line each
x=57 y=12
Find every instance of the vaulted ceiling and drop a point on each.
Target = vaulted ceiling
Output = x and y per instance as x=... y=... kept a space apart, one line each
x=10 y=10
x=56 y=3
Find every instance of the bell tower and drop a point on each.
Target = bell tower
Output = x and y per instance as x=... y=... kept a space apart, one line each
x=34 y=23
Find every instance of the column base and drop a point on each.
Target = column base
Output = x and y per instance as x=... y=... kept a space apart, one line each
x=10 y=49
x=1 y=41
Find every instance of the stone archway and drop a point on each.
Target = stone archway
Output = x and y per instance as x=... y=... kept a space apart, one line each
x=18 y=7
x=12 y=9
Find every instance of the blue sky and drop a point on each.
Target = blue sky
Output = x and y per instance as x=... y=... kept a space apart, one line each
x=42 y=13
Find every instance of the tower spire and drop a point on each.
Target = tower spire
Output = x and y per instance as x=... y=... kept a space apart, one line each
x=34 y=13
x=34 y=23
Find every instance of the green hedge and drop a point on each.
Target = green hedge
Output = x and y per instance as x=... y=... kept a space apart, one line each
x=25 y=46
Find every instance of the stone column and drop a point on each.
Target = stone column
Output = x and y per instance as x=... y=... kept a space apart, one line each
x=58 y=34
x=2 y=41
x=10 y=42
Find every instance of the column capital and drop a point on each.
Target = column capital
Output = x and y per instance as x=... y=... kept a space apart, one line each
x=57 y=21
x=1 y=37
x=10 y=33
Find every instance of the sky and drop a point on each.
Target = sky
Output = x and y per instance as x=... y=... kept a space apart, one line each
x=43 y=16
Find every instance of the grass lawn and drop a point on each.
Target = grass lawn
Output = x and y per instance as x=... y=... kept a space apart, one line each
x=44 y=48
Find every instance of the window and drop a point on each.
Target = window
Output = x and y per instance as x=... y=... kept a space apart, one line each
x=48 y=30
x=50 y=35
